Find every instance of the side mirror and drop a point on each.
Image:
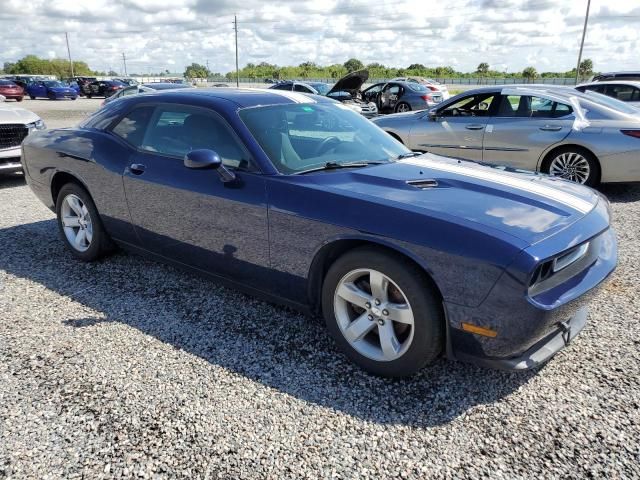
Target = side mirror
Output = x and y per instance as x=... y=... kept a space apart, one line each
x=433 y=115
x=208 y=159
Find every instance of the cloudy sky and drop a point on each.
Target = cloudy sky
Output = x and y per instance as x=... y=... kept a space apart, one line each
x=167 y=34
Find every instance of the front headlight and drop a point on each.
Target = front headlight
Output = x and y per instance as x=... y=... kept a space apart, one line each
x=37 y=125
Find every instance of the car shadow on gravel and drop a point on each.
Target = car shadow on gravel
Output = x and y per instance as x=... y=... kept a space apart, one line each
x=621 y=192
x=12 y=180
x=278 y=347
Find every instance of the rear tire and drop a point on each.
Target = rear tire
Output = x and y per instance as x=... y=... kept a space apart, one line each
x=574 y=164
x=383 y=312
x=80 y=225
x=32 y=97
x=19 y=99
x=403 y=107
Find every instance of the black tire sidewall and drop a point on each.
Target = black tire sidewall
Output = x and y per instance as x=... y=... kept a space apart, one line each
x=100 y=243
x=397 y=109
x=594 y=165
x=428 y=337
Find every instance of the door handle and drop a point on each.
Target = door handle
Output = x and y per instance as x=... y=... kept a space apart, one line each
x=551 y=128
x=474 y=126
x=137 y=168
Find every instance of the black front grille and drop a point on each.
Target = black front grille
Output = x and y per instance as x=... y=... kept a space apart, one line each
x=12 y=135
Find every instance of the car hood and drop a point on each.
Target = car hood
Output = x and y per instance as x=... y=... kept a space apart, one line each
x=525 y=205
x=350 y=83
x=11 y=114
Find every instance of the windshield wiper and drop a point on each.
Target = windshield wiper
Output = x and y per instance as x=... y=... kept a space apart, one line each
x=336 y=166
x=408 y=155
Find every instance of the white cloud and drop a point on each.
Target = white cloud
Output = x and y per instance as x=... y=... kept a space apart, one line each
x=167 y=34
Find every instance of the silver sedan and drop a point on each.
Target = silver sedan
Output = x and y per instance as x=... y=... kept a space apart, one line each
x=585 y=137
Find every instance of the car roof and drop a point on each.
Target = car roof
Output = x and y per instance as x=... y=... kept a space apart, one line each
x=243 y=97
x=634 y=83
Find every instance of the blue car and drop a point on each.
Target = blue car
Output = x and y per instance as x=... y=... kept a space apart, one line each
x=304 y=202
x=51 y=89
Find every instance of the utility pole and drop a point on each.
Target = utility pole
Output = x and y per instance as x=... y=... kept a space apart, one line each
x=584 y=32
x=124 y=61
x=66 y=35
x=235 y=27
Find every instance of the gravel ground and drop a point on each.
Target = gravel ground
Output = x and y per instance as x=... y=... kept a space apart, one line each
x=127 y=368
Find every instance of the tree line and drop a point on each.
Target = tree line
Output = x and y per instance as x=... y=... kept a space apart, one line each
x=32 y=64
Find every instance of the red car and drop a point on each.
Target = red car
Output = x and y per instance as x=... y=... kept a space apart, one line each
x=8 y=89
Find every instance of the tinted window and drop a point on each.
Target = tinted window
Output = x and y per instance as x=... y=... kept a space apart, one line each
x=471 y=106
x=417 y=87
x=286 y=86
x=132 y=127
x=625 y=93
x=301 y=88
x=176 y=130
x=531 y=107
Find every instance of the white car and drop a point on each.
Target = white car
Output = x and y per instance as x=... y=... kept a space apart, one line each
x=427 y=82
x=625 y=90
x=15 y=124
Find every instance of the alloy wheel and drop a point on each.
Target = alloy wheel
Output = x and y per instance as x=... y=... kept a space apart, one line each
x=373 y=315
x=76 y=223
x=403 y=107
x=570 y=166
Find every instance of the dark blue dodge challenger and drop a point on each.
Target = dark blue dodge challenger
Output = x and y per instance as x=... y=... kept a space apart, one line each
x=300 y=200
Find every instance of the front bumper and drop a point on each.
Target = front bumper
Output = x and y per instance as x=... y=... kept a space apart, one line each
x=10 y=161
x=529 y=328
x=539 y=353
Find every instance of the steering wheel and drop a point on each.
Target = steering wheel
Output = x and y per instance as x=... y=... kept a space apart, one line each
x=325 y=145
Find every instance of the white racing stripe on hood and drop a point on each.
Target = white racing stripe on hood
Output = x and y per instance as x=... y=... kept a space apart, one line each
x=486 y=173
x=295 y=96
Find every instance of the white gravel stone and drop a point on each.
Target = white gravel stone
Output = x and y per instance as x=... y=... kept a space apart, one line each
x=127 y=368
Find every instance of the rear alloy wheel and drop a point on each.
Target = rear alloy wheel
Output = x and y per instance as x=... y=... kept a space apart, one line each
x=574 y=165
x=382 y=312
x=403 y=107
x=79 y=223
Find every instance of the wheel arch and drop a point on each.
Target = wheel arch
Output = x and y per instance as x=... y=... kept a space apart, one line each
x=60 y=179
x=554 y=148
x=333 y=249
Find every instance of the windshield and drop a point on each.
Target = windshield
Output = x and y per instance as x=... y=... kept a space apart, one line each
x=611 y=102
x=299 y=137
x=417 y=87
x=321 y=88
x=53 y=84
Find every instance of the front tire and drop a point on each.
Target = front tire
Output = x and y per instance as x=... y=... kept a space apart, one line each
x=32 y=97
x=80 y=225
x=383 y=312
x=19 y=99
x=574 y=164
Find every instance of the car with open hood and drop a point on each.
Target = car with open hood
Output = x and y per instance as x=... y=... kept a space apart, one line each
x=345 y=90
x=15 y=124
x=51 y=89
x=300 y=200
x=584 y=137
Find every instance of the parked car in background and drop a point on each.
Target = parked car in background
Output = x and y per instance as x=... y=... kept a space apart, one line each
x=102 y=88
x=23 y=80
x=81 y=82
x=11 y=90
x=51 y=89
x=127 y=81
x=406 y=257
x=15 y=124
x=345 y=90
x=623 y=90
x=584 y=137
x=143 y=88
x=393 y=97
x=431 y=84
x=601 y=77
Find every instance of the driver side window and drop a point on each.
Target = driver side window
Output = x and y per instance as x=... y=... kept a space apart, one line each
x=472 y=106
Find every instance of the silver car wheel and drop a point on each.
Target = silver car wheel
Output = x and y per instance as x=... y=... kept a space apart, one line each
x=76 y=223
x=373 y=315
x=403 y=107
x=570 y=166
